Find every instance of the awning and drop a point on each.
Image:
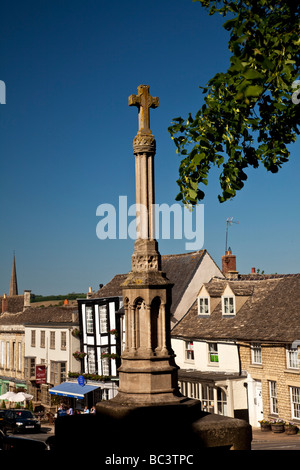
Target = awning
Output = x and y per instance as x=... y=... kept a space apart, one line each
x=72 y=389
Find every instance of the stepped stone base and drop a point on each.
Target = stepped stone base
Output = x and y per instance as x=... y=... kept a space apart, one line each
x=141 y=430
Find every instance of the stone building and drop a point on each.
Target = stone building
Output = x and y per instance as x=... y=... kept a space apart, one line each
x=36 y=337
x=244 y=330
x=49 y=347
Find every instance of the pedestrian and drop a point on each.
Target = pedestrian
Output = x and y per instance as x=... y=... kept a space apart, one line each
x=86 y=410
x=70 y=411
x=93 y=410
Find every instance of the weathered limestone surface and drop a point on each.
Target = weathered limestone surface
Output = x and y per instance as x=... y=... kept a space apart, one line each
x=149 y=402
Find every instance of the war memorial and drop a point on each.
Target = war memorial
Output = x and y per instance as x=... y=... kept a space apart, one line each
x=149 y=416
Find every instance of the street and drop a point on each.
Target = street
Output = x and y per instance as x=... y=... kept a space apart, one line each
x=273 y=441
x=46 y=432
x=261 y=440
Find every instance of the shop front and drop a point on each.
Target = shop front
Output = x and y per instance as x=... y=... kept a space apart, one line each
x=76 y=396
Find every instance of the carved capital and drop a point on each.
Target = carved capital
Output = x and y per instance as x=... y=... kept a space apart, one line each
x=144 y=143
x=145 y=262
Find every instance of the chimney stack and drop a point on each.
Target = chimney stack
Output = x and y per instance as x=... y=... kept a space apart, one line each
x=26 y=299
x=90 y=293
x=229 y=265
x=4 y=304
x=253 y=270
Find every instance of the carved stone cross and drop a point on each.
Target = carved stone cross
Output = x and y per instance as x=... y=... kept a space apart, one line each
x=143 y=101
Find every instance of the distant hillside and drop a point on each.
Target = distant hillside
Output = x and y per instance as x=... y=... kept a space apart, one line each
x=34 y=298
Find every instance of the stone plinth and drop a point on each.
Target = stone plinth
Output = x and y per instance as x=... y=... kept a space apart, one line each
x=134 y=430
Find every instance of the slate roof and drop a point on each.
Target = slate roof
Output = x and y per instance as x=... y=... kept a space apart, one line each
x=112 y=288
x=15 y=303
x=271 y=313
x=39 y=315
x=179 y=269
x=209 y=377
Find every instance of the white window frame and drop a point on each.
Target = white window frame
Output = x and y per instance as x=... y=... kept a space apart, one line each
x=103 y=318
x=203 y=305
x=105 y=361
x=213 y=351
x=189 y=355
x=295 y=402
x=230 y=308
x=91 y=360
x=19 y=356
x=221 y=401
x=63 y=340
x=273 y=397
x=256 y=354
x=89 y=319
x=292 y=360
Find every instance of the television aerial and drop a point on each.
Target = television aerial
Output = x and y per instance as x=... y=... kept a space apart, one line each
x=229 y=221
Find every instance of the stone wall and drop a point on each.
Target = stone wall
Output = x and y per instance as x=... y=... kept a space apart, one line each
x=273 y=368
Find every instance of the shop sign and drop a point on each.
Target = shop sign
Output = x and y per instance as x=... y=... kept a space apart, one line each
x=40 y=373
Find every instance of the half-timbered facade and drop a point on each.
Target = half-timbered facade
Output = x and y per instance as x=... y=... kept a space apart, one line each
x=100 y=348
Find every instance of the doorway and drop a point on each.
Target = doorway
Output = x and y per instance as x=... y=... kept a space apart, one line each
x=258 y=401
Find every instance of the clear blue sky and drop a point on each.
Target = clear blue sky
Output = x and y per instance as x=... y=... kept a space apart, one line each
x=66 y=139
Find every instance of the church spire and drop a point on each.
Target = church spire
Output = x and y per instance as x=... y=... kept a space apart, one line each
x=13 y=289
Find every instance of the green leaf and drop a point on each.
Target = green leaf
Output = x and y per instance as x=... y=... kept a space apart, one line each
x=252 y=74
x=229 y=24
x=254 y=90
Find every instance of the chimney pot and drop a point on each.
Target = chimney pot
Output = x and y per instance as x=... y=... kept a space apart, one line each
x=26 y=298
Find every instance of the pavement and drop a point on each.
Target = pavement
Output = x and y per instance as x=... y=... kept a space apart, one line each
x=268 y=440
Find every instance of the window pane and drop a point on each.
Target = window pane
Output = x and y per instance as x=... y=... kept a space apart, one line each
x=203 y=305
x=295 y=398
x=228 y=305
x=63 y=340
x=189 y=350
x=292 y=358
x=103 y=319
x=33 y=338
x=207 y=398
x=42 y=345
x=273 y=397
x=89 y=320
x=256 y=354
x=222 y=402
x=52 y=339
x=91 y=360
x=105 y=361
x=213 y=352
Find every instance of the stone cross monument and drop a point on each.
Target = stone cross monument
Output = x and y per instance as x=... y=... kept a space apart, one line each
x=148 y=373
x=148 y=415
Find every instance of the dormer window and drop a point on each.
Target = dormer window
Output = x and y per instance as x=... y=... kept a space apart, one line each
x=292 y=357
x=228 y=305
x=203 y=306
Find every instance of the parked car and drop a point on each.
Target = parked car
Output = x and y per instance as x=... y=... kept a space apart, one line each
x=21 y=444
x=2 y=413
x=20 y=421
